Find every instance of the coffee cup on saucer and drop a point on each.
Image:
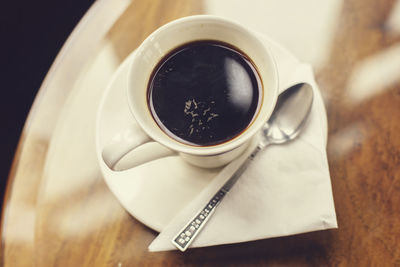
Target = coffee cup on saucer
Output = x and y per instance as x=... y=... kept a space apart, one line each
x=202 y=87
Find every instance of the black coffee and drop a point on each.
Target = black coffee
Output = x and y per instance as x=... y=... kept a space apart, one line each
x=204 y=93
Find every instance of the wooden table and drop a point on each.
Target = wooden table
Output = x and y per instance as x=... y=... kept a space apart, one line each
x=59 y=212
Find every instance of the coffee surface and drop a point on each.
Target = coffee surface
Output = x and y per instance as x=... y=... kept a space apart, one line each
x=204 y=93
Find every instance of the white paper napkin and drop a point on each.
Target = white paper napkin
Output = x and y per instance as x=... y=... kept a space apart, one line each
x=286 y=191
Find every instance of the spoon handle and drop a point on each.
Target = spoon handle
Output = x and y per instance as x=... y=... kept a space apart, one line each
x=188 y=233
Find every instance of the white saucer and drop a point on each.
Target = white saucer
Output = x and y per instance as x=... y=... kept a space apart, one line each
x=156 y=191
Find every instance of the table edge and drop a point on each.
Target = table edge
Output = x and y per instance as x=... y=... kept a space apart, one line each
x=41 y=94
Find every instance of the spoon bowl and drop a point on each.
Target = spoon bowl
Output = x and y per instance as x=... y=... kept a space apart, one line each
x=289 y=116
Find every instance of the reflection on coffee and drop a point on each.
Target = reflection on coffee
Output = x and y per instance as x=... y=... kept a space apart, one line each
x=204 y=93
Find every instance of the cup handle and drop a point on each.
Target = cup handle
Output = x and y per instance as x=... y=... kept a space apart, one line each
x=132 y=147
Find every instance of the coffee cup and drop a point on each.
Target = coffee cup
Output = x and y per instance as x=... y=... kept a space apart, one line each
x=196 y=122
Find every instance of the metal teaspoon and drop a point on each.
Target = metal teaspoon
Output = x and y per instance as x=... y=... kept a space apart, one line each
x=288 y=118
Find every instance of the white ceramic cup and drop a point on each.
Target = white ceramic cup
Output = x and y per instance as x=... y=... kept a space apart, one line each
x=149 y=54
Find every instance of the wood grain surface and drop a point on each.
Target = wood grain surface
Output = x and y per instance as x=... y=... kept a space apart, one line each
x=363 y=154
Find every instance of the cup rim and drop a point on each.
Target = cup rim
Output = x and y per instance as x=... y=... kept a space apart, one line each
x=221 y=148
